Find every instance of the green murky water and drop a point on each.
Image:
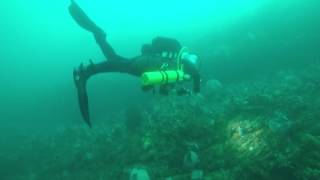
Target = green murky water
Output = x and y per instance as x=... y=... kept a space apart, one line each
x=257 y=116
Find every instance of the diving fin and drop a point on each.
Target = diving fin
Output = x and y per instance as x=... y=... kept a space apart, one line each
x=82 y=19
x=80 y=83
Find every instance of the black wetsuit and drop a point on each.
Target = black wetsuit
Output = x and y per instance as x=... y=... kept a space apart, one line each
x=149 y=60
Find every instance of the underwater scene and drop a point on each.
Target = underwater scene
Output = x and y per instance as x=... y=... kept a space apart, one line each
x=160 y=90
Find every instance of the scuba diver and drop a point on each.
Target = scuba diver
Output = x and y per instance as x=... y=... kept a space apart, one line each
x=162 y=63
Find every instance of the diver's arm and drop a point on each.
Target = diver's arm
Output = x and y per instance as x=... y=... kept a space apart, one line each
x=196 y=81
x=192 y=70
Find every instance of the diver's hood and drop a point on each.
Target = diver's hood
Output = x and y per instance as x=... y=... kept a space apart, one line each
x=192 y=58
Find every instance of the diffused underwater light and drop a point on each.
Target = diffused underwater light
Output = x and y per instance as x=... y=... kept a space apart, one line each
x=139 y=174
x=246 y=135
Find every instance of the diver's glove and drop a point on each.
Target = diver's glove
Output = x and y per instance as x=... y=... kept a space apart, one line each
x=198 y=96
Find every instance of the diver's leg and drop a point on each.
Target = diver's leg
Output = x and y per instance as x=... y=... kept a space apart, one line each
x=83 y=73
x=120 y=65
x=85 y=22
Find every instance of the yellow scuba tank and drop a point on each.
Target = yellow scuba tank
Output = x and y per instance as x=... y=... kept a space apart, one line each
x=161 y=77
x=168 y=76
